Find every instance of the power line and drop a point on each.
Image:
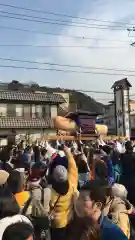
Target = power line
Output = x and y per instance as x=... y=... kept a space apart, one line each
x=59 y=34
x=62 y=46
x=66 y=65
x=59 y=22
x=91 y=91
x=67 y=71
x=62 y=15
x=62 y=24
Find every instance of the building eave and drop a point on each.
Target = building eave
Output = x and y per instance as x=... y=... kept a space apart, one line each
x=21 y=123
x=31 y=97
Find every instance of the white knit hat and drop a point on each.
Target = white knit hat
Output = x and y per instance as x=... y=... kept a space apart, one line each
x=60 y=174
x=118 y=190
x=3 y=177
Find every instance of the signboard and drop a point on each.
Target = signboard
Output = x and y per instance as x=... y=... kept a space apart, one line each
x=87 y=124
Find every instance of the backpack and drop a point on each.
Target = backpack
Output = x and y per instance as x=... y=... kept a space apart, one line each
x=41 y=221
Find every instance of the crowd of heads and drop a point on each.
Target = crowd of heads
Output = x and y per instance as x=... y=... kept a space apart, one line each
x=67 y=186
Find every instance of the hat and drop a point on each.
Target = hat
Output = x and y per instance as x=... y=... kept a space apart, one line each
x=60 y=174
x=118 y=190
x=3 y=177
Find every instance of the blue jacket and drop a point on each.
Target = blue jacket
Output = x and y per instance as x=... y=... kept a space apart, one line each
x=110 y=231
x=109 y=165
x=25 y=157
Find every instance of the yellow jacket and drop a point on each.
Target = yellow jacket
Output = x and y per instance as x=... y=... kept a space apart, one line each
x=64 y=207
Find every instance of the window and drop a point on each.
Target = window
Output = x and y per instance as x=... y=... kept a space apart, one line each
x=54 y=111
x=19 y=110
x=27 y=111
x=3 y=110
x=33 y=111
x=39 y=111
x=46 y=111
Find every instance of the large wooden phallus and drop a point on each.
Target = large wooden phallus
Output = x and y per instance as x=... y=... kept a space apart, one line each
x=84 y=120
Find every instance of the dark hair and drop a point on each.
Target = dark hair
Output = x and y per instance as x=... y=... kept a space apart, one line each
x=107 y=149
x=16 y=181
x=101 y=170
x=91 y=157
x=43 y=152
x=8 y=203
x=18 y=231
x=98 y=191
x=36 y=151
x=83 y=229
x=81 y=164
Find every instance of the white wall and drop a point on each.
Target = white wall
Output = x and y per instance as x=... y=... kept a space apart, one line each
x=3 y=109
x=34 y=134
x=3 y=142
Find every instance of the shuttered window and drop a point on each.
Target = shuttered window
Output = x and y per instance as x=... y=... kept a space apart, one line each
x=3 y=110
x=54 y=111
x=39 y=111
x=19 y=110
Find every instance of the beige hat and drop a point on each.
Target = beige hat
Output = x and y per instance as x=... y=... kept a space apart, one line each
x=118 y=190
x=3 y=177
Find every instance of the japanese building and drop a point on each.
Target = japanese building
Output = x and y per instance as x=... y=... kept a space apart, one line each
x=30 y=114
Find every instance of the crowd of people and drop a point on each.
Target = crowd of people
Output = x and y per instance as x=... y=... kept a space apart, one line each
x=68 y=190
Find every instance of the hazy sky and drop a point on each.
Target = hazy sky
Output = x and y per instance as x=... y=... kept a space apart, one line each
x=104 y=54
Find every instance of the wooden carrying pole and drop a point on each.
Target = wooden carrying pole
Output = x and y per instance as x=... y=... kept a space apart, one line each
x=68 y=138
x=86 y=138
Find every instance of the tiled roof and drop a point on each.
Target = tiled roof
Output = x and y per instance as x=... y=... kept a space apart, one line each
x=12 y=122
x=30 y=96
x=122 y=83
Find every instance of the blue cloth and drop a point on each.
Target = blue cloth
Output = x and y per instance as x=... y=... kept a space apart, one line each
x=110 y=169
x=110 y=172
x=25 y=157
x=117 y=172
x=110 y=231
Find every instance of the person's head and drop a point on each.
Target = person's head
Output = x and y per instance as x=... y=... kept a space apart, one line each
x=3 y=177
x=107 y=149
x=118 y=190
x=29 y=149
x=17 y=227
x=101 y=170
x=92 y=199
x=60 y=180
x=8 y=204
x=16 y=181
x=129 y=147
x=43 y=152
x=81 y=164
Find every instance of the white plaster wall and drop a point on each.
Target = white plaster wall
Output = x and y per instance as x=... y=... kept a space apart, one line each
x=3 y=142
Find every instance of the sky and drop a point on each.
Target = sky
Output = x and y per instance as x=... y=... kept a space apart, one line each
x=107 y=53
